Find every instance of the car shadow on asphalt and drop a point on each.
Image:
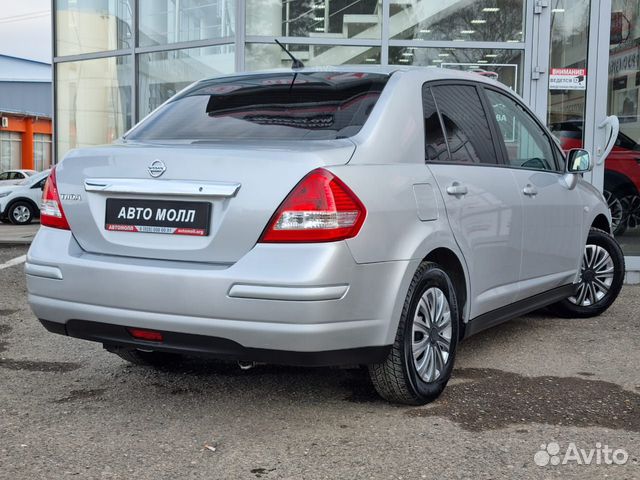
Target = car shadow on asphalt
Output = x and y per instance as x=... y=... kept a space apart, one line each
x=477 y=399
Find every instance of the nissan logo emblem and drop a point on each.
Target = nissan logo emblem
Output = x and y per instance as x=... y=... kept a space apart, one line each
x=157 y=168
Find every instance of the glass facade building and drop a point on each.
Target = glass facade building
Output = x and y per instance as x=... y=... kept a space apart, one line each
x=574 y=61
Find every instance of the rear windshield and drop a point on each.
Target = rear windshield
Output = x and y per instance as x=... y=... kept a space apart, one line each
x=275 y=106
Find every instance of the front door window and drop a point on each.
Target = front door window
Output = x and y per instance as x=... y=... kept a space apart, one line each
x=526 y=144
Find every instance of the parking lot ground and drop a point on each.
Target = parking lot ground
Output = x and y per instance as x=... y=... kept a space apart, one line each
x=17 y=234
x=69 y=409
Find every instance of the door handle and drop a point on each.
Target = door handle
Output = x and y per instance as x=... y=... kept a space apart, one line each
x=530 y=190
x=456 y=189
x=611 y=125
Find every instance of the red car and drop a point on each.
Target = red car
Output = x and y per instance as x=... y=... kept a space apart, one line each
x=621 y=174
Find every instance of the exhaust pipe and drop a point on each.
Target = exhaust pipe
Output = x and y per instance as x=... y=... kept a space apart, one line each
x=246 y=365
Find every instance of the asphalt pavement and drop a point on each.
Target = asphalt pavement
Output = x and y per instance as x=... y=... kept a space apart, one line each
x=18 y=234
x=69 y=409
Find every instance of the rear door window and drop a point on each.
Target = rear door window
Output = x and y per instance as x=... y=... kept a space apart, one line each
x=435 y=142
x=276 y=106
x=465 y=124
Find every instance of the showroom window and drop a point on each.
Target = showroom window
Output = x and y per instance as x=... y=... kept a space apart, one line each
x=118 y=60
x=499 y=64
x=92 y=26
x=260 y=56
x=163 y=74
x=483 y=20
x=320 y=19
x=10 y=151
x=93 y=102
x=41 y=151
x=622 y=166
x=169 y=21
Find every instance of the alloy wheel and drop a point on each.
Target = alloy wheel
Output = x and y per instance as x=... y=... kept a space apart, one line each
x=631 y=206
x=615 y=207
x=21 y=214
x=596 y=276
x=431 y=335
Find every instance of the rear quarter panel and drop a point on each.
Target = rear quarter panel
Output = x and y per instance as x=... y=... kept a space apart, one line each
x=406 y=219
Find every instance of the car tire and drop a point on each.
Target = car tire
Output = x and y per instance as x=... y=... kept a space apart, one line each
x=20 y=213
x=420 y=362
x=601 y=278
x=149 y=359
x=619 y=213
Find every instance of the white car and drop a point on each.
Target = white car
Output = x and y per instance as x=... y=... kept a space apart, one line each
x=15 y=177
x=20 y=204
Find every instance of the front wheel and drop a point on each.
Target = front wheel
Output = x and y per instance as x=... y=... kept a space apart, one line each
x=421 y=359
x=20 y=213
x=601 y=278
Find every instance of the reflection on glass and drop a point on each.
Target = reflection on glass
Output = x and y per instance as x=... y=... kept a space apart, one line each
x=169 y=21
x=622 y=166
x=10 y=151
x=526 y=144
x=163 y=74
x=315 y=18
x=568 y=70
x=92 y=26
x=457 y=20
x=41 y=151
x=502 y=65
x=93 y=102
x=260 y=56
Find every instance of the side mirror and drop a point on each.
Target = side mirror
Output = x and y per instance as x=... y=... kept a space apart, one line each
x=579 y=161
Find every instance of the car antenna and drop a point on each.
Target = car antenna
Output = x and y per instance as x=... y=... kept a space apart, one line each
x=295 y=62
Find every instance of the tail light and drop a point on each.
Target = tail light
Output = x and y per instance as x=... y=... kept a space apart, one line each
x=51 y=212
x=321 y=208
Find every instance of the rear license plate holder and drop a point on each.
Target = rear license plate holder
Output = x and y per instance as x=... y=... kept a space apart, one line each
x=169 y=217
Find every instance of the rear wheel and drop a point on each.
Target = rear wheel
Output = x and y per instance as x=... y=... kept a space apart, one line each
x=601 y=278
x=421 y=359
x=20 y=213
x=148 y=359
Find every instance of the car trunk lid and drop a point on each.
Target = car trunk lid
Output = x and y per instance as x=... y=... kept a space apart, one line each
x=200 y=203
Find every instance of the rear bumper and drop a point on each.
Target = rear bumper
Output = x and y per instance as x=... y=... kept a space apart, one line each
x=115 y=337
x=296 y=299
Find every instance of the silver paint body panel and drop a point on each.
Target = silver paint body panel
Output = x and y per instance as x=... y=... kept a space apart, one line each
x=305 y=297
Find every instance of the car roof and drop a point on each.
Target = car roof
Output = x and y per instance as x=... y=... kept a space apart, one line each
x=431 y=73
